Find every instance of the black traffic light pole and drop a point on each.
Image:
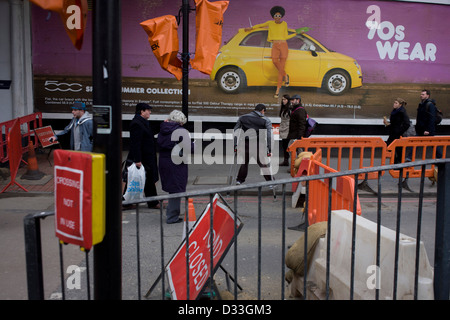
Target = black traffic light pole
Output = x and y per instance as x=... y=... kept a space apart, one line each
x=107 y=86
x=185 y=58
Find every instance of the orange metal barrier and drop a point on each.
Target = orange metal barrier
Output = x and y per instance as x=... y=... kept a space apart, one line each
x=342 y=196
x=423 y=148
x=351 y=145
x=27 y=125
x=15 y=153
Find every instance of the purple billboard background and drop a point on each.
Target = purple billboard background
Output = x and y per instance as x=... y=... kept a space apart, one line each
x=419 y=31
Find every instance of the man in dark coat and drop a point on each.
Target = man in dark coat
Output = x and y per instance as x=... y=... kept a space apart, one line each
x=426 y=115
x=143 y=150
x=251 y=124
x=297 y=122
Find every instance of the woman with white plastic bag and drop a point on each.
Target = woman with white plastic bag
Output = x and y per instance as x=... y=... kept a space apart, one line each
x=135 y=183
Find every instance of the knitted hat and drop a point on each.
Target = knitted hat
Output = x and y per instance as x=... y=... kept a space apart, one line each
x=142 y=107
x=77 y=105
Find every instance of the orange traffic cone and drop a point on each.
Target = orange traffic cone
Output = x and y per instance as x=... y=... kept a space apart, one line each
x=192 y=219
x=33 y=172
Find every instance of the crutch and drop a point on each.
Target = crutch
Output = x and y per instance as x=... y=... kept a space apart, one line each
x=233 y=167
x=273 y=179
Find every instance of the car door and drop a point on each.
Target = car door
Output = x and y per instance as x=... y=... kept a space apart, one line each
x=302 y=65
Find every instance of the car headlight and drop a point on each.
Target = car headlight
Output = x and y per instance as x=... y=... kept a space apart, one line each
x=356 y=64
x=218 y=54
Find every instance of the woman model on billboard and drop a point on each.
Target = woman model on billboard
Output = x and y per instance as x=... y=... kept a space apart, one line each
x=278 y=35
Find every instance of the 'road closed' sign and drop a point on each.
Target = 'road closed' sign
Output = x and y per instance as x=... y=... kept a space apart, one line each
x=79 y=197
x=200 y=252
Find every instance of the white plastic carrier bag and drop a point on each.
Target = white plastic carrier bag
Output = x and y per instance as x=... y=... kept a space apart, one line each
x=135 y=183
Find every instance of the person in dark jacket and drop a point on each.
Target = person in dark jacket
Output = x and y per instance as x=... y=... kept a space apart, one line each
x=398 y=121
x=251 y=124
x=297 y=122
x=425 y=121
x=174 y=151
x=143 y=150
x=426 y=115
x=397 y=125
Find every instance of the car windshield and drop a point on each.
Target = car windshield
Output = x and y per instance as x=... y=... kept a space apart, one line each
x=303 y=44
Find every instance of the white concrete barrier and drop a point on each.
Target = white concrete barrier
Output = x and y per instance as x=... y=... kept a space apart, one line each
x=367 y=277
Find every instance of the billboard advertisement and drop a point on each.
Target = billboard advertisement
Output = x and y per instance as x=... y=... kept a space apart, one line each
x=348 y=59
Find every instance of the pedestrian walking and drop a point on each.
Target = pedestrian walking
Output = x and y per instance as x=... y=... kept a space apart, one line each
x=425 y=121
x=175 y=148
x=285 y=116
x=143 y=150
x=80 y=129
x=397 y=125
x=255 y=127
x=426 y=115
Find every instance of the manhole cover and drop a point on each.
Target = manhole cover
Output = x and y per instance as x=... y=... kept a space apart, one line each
x=212 y=180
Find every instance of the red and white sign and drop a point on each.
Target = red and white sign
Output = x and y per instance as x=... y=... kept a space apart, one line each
x=276 y=129
x=44 y=134
x=73 y=201
x=200 y=251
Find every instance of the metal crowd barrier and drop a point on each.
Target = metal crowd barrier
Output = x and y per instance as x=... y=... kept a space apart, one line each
x=442 y=235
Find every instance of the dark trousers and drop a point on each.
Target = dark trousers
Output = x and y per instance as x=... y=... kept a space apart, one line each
x=243 y=170
x=285 y=145
x=150 y=188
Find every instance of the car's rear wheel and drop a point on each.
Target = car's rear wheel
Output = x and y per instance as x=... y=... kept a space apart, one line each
x=231 y=80
x=337 y=82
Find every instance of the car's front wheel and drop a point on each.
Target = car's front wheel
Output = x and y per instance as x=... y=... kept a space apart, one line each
x=336 y=82
x=231 y=80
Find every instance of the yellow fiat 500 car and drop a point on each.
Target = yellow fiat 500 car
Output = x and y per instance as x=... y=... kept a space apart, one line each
x=246 y=61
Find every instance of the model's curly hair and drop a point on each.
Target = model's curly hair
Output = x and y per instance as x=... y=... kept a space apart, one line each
x=277 y=9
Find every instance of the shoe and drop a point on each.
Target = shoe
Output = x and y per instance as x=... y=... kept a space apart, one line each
x=129 y=207
x=300 y=227
x=284 y=163
x=287 y=81
x=238 y=183
x=154 y=207
x=176 y=221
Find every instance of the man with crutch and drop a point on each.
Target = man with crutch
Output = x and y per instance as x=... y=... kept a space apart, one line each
x=252 y=128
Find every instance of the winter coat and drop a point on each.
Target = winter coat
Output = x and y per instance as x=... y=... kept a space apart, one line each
x=173 y=156
x=142 y=145
x=284 y=124
x=297 y=123
x=426 y=116
x=256 y=121
x=399 y=123
x=85 y=127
